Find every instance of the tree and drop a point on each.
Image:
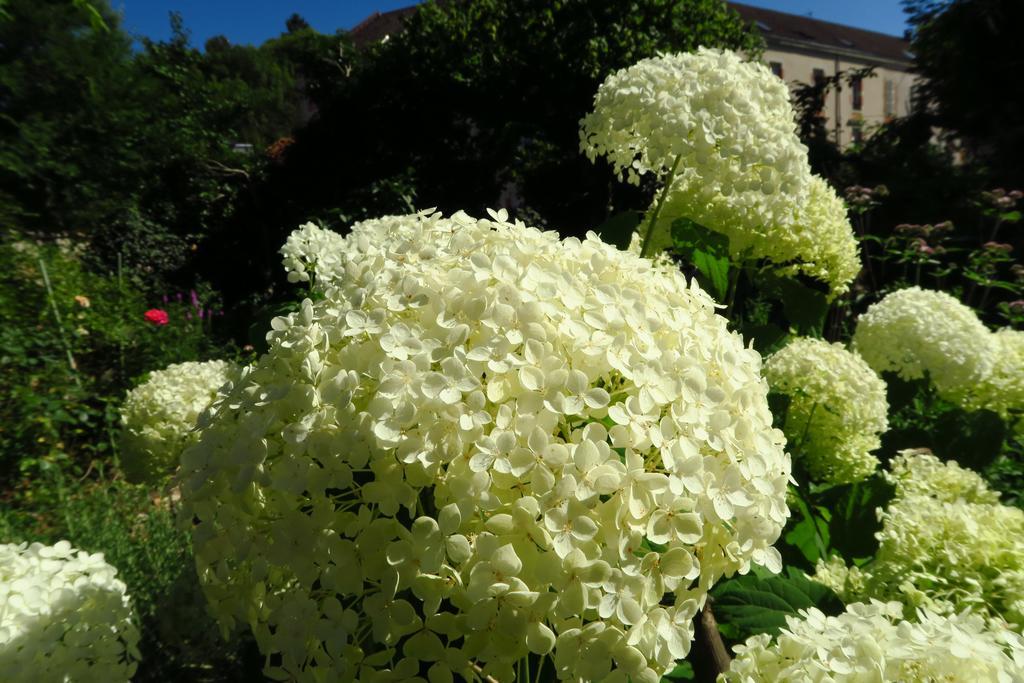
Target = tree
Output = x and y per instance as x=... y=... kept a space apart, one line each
x=477 y=104
x=968 y=55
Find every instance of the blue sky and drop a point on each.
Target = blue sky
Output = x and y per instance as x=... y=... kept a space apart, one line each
x=253 y=21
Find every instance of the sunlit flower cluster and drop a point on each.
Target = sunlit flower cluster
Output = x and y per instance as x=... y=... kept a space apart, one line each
x=819 y=244
x=1002 y=389
x=729 y=122
x=484 y=442
x=837 y=408
x=917 y=332
x=946 y=544
x=918 y=472
x=724 y=130
x=872 y=642
x=312 y=252
x=64 y=616
x=159 y=416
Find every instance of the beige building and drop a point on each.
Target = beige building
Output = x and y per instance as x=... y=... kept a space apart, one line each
x=799 y=49
x=802 y=49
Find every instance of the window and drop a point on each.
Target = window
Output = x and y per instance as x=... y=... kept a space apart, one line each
x=776 y=68
x=858 y=93
x=890 y=98
x=819 y=76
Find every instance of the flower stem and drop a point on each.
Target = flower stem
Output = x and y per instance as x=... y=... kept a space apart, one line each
x=645 y=248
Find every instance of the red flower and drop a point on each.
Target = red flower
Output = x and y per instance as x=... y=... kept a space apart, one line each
x=156 y=316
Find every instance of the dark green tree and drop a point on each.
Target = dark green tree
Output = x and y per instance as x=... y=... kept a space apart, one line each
x=477 y=104
x=968 y=55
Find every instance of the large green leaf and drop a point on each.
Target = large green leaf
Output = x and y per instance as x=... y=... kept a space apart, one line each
x=708 y=251
x=747 y=605
x=853 y=519
x=619 y=229
x=806 y=538
x=804 y=307
x=682 y=672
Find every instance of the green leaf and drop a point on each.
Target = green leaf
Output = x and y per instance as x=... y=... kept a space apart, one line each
x=805 y=308
x=747 y=605
x=767 y=338
x=708 y=251
x=619 y=229
x=853 y=520
x=682 y=672
x=807 y=534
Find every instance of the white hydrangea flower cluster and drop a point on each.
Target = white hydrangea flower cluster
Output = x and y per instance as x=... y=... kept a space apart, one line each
x=485 y=442
x=64 y=616
x=1002 y=389
x=918 y=472
x=946 y=543
x=159 y=416
x=819 y=244
x=726 y=127
x=914 y=332
x=311 y=251
x=837 y=408
x=872 y=642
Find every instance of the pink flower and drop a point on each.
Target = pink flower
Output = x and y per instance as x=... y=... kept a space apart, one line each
x=156 y=316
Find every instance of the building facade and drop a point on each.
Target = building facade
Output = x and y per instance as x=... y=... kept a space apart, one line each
x=799 y=49
x=805 y=50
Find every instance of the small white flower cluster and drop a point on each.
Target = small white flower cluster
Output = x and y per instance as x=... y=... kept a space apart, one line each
x=484 y=442
x=727 y=128
x=917 y=472
x=64 y=616
x=1002 y=389
x=946 y=543
x=159 y=416
x=872 y=642
x=312 y=251
x=916 y=332
x=837 y=408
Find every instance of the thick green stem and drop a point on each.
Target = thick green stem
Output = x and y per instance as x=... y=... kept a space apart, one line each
x=645 y=248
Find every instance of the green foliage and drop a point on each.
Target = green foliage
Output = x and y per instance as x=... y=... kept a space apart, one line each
x=969 y=60
x=483 y=100
x=137 y=533
x=920 y=419
x=708 y=252
x=752 y=604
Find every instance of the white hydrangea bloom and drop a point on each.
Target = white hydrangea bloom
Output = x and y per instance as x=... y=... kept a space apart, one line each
x=1002 y=389
x=819 y=244
x=485 y=442
x=872 y=642
x=311 y=250
x=729 y=121
x=159 y=416
x=946 y=543
x=837 y=409
x=917 y=471
x=914 y=332
x=64 y=616
x=727 y=128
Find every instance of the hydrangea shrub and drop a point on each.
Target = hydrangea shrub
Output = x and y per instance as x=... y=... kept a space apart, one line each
x=837 y=408
x=159 y=416
x=946 y=544
x=872 y=642
x=916 y=332
x=721 y=132
x=483 y=442
x=64 y=616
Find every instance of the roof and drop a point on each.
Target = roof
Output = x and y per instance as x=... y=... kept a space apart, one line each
x=797 y=30
x=777 y=28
